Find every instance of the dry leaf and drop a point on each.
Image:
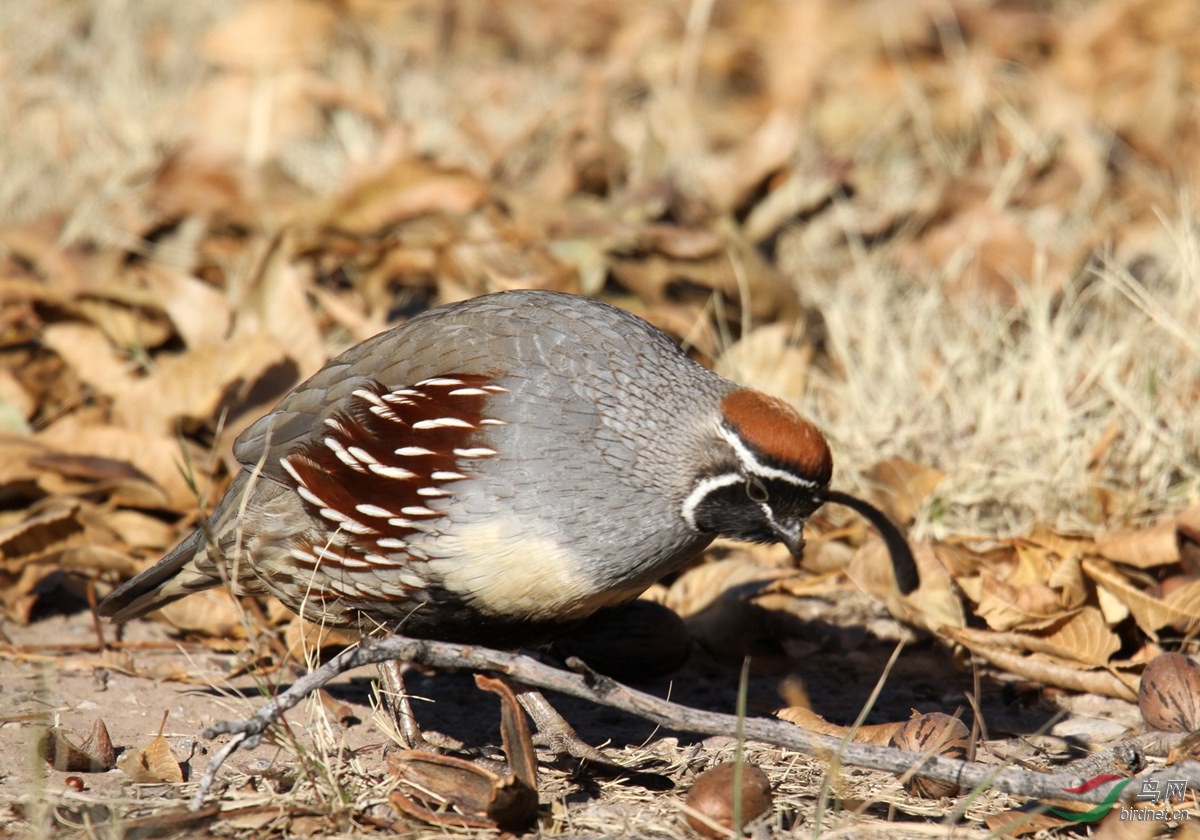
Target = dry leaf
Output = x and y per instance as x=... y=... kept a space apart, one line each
x=1084 y=636
x=769 y=359
x=1146 y=548
x=269 y=34
x=902 y=486
x=1002 y=650
x=408 y=188
x=193 y=386
x=213 y=612
x=92 y=356
x=1181 y=607
x=933 y=605
x=158 y=458
x=153 y=763
x=880 y=733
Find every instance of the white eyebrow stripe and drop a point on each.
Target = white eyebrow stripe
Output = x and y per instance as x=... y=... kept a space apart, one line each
x=701 y=490
x=757 y=467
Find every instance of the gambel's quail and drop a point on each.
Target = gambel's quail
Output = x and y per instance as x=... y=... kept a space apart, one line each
x=494 y=472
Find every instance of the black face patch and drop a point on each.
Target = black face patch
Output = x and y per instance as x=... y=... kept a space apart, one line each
x=755 y=509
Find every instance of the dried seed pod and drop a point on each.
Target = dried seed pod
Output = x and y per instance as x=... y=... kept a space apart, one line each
x=938 y=734
x=712 y=796
x=1169 y=693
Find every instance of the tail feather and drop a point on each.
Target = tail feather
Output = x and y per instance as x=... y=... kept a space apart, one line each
x=170 y=579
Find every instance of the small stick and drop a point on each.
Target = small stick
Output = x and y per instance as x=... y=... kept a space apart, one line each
x=608 y=692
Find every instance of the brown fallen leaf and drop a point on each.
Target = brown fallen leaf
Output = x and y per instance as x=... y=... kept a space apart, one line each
x=902 y=486
x=1147 y=548
x=880 y=734
x=153 y=763
x=934 y=604
x=1179 y=609
x=1004 y=650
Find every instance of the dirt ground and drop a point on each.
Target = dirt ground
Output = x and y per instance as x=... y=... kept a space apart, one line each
x=839 y=664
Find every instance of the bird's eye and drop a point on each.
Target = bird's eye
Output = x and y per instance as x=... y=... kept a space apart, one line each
x=756 y=490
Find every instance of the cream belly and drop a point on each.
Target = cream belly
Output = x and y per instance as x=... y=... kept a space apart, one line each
x=503 y=570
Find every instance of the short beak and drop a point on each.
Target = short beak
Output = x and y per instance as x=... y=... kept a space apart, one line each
x=793 y=540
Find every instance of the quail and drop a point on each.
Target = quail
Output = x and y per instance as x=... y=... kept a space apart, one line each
x=496 y=471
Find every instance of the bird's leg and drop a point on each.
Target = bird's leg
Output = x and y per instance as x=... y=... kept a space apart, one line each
x=553 y=731
x=398 y=705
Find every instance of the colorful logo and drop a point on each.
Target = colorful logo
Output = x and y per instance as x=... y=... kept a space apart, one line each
x=1101 y=809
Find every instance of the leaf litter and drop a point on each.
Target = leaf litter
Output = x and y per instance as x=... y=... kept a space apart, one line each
x=960 y=236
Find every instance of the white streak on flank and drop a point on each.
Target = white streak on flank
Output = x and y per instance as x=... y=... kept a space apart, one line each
x=326 y=554
x=286 y=463
x=397 y=522
x=343 y=455
x=391 y=472
x=492 y=421
x=440 y=383
x=435 y=492
x=414 y=451
x=442 y=423
x=391 y=542
x=395 y=399
x=350 y=562
x=495 y=389
x=373 y=510
x=369 y=396
x=468 y=392
x=342 y=587
x=336 y=425
x=477 y=452
x=310 y=497
x=302 y=555
x=353 y=526
x=362 y=455
x=379 y=560
x=446 y=475
x=700 y=491
x=757 y=467
x=406 y=392
x=408 y=579
x=384 y=412
x=418 y=510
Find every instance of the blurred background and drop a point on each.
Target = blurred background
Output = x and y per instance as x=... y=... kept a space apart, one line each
x=959 y=234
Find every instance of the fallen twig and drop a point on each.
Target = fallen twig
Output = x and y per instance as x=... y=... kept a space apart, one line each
x=603 y=690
